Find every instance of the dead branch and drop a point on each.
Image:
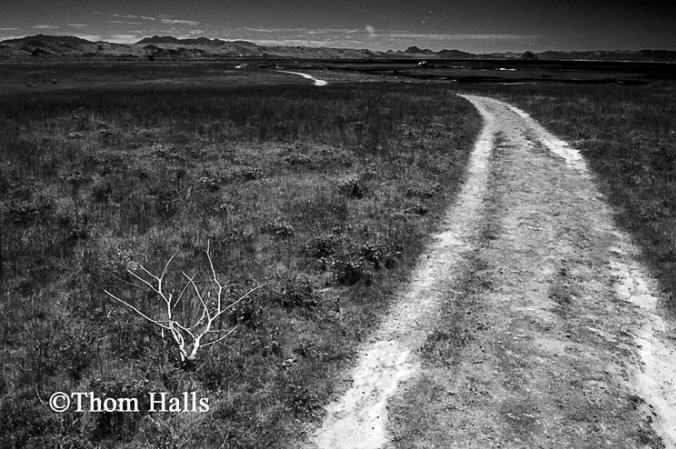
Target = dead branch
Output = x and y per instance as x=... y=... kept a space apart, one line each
x=189 y=339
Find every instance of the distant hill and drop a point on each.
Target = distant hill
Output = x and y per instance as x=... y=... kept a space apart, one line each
x=164 y=47
x=455 y=54
x=595 y=55
x=43 y=39
x=62 y=46
x=641 y=55
x=173 y=40
x=169 y=47
x=418 y=51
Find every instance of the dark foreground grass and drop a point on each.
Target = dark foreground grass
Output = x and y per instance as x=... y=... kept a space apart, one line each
x=628 y=135
x=322 y=196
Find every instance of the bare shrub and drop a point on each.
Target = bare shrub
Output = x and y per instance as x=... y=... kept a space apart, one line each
x=211 y=305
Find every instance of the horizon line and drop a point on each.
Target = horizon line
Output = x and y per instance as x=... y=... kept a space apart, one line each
x=281 y=43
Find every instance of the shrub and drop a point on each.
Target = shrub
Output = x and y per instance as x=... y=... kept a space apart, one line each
x=353 y=188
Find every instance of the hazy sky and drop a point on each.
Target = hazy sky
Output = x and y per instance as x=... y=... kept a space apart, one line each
x=472 y=25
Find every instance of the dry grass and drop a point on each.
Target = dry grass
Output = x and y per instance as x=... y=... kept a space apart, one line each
x=323 y=195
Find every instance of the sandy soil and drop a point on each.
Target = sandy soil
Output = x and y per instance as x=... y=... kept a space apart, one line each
x=567 y=346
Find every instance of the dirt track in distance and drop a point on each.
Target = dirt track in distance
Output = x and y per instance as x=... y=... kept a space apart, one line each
x=565 y=347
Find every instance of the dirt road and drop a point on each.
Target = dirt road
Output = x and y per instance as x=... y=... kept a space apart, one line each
x=564 y=347
x=315 y=81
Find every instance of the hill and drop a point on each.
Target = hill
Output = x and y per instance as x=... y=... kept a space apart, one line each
x=62 y=46
x=165 y=47
x=169 y=47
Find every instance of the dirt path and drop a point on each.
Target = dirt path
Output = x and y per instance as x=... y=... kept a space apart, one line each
x=359 y=418
x=315 y=81
x=566 y=347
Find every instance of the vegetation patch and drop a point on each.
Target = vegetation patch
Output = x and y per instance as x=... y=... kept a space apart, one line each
x=290 y=194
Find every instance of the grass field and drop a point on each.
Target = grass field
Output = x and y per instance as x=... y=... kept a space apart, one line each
x=322 y=197
x=628 y=136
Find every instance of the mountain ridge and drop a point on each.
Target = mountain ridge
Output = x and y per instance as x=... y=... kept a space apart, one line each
x=170 y=47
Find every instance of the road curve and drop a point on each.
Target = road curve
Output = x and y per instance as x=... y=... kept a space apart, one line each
x=571 y=351
x=315 y=81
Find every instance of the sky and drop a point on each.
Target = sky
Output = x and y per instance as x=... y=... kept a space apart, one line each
x=469 y=25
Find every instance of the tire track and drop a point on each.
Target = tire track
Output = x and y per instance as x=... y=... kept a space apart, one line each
x=576 y=354
x=358 y=420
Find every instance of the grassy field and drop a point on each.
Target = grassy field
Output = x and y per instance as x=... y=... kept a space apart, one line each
x=31 y=77
x=628 y=136
x=322 y=197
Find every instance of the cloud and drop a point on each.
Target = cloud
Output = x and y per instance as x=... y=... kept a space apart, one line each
x=124 y=22
x=45 y=27
x=294 y=42
x=310 y=37
x=125 y=16
x=162 y=18
x=180 y=22
x=8 y=29
x=309 y=31
x=78 y=25
x=453 y=37
x=274 y=30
